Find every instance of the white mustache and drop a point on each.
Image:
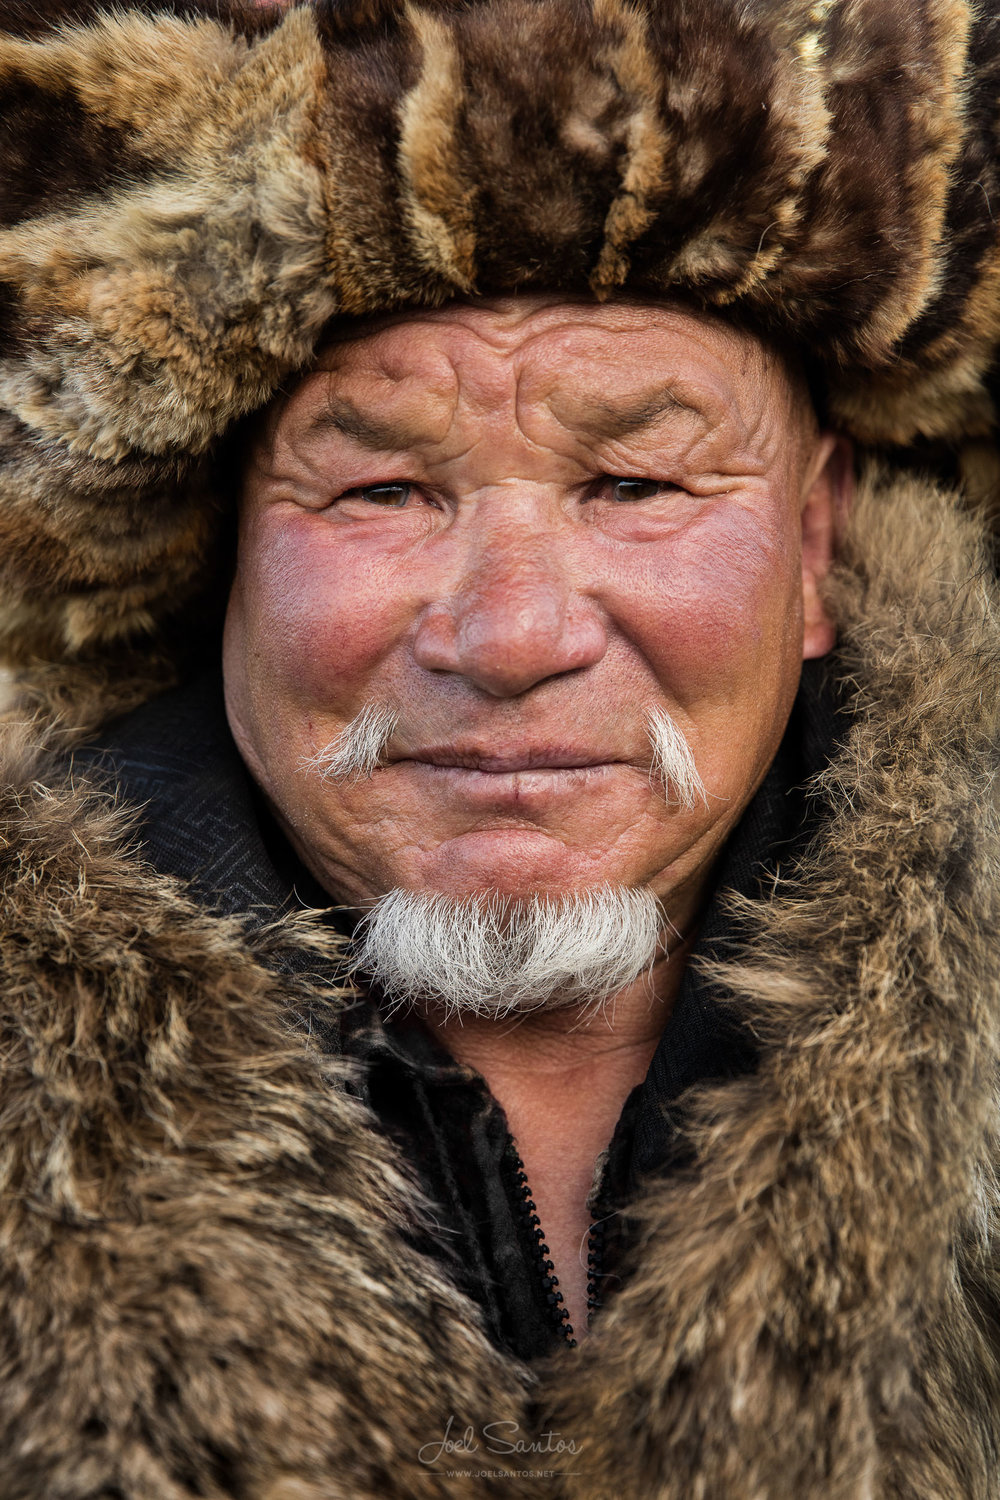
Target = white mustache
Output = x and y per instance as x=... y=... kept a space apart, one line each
x=673 y=761
x=359 y=750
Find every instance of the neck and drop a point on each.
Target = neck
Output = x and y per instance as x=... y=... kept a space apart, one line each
x=553 y=1042
x=562 y=1077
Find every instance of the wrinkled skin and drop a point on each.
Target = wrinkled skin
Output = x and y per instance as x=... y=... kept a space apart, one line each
x=520 y=603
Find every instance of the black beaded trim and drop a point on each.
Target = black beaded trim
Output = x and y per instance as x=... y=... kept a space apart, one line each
x=595 y=1263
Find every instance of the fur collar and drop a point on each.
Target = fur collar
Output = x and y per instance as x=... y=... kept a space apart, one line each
x=208 y=1283
x=808 y=1314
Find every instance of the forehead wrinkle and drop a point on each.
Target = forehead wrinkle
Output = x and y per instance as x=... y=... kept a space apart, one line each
x=732 y=374
x=430 y=390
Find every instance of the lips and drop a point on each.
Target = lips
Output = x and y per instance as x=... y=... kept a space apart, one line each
x=501 y=763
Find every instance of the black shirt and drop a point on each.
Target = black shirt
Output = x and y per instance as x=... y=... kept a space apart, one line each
x=204 y=821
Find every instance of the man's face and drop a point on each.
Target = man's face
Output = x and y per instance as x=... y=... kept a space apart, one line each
x=521 y=527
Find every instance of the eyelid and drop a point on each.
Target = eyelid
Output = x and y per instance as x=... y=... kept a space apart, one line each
x=360 y=486
x=609 y=480
x=418 y=492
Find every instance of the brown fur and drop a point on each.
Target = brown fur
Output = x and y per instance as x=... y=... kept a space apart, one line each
x=208 y=1284
x=205 y=1282
x=439 y=204
x=205 y=1278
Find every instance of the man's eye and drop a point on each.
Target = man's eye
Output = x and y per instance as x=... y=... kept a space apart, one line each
x=386 y=494
x=638 y=489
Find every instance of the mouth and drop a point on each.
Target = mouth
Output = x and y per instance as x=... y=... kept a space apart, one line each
x=500 y=763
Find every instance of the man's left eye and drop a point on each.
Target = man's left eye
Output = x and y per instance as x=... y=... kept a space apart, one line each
x=637 y=489
x=386 y=494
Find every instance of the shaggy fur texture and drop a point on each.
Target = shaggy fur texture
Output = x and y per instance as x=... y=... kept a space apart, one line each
x=210 y=1284
x=207 y=1285
x=189 y=193
x=207 y=1280
x=815 y=1310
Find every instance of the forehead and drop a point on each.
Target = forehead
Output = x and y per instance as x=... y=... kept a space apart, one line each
x=582 y=360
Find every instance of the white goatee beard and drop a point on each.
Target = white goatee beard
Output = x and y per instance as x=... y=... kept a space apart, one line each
x=491 y=956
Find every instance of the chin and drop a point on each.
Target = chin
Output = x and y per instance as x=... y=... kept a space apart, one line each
x=518 y=866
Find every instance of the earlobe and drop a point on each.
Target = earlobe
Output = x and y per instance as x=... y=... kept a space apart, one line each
x=827 y=495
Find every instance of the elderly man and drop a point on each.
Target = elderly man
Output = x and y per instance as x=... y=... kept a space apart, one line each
x=538 y=579
x=500 y=894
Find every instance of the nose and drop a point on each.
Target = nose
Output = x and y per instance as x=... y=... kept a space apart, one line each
x=513 y=618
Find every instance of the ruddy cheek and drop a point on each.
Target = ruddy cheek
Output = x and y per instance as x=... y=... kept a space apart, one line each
x=326 y=612
x=713 y=607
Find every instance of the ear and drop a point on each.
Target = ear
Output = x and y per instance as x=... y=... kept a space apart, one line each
x=827 y=492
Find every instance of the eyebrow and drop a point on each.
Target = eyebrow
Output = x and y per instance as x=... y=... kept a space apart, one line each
x=606 y=421
x=601 y=419
x=343 y=417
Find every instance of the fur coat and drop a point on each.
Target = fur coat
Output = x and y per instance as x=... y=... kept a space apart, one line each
x=209 y=1280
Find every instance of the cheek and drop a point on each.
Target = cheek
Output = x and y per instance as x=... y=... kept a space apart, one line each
x=718 y=611
x=321 y=611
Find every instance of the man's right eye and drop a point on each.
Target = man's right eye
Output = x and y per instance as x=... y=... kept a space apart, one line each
x=627 y=491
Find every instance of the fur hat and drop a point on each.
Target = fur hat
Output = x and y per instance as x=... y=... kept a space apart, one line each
x=189 y=193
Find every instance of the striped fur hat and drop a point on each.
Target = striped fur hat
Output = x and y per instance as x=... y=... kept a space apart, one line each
x=190 y=193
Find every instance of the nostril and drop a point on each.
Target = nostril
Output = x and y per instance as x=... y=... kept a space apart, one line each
x=435 y=645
